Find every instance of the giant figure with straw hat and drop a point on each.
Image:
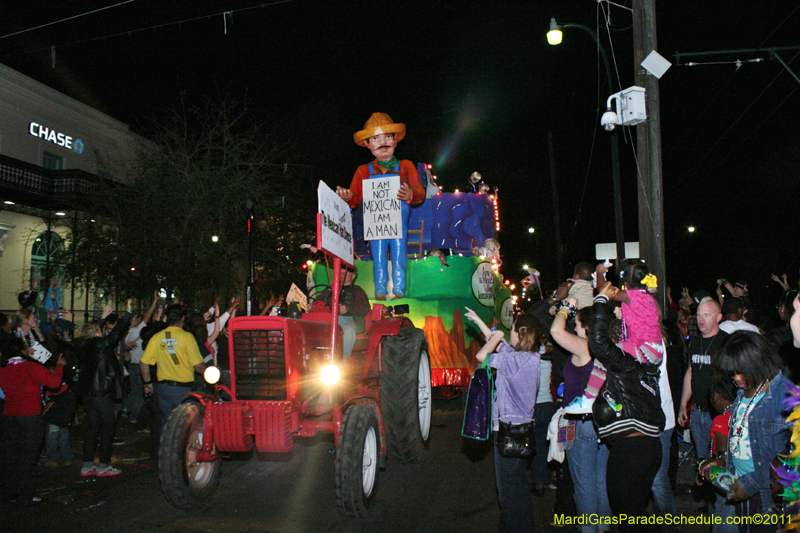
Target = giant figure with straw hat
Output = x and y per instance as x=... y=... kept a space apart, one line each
x=381 y=135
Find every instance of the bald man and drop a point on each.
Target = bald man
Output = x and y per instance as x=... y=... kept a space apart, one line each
x=697 y=381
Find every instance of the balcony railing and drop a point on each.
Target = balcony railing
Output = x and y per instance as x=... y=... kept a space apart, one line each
x=47 y=188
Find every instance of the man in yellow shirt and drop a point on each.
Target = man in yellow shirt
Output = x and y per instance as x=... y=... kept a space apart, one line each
x=175 y=354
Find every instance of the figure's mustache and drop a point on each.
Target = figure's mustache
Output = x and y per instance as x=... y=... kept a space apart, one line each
x=384 y=146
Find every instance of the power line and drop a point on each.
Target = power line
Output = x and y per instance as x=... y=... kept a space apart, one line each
x=66 y=19
x=157 y=26
x=741 y=116
x=714 y=100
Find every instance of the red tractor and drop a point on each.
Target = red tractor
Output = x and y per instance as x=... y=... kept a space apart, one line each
x=286 y=382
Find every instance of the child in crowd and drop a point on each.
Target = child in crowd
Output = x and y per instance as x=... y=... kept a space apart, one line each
x=641 y=330
x=581 y=288
x=57 y=416
x=723 y=396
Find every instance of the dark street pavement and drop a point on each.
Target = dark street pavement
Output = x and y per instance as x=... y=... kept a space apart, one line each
x=453 y=490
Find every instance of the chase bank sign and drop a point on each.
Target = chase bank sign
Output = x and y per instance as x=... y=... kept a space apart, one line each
x=59 y=139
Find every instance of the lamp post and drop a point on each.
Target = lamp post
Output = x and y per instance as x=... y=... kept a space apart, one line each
x=251 y=282
x=554 y=38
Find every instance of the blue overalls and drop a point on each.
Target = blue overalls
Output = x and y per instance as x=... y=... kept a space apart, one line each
x=397 y=247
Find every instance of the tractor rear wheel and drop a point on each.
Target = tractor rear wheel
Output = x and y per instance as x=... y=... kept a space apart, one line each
x=186 y=482
x=357 y=460
x=406 y=395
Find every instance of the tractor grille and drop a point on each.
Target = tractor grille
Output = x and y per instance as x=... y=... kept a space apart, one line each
x=259 y=364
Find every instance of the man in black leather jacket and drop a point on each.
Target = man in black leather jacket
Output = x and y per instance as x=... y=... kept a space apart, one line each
x=99 y=384
x=628 y=415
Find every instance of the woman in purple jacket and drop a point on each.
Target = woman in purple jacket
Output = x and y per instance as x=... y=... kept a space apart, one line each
x=516 y=385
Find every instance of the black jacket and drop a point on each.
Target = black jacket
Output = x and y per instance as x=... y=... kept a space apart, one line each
x=101 y=370
x=630 y=399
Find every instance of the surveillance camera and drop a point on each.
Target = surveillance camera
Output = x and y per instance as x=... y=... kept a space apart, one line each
x=609 y=120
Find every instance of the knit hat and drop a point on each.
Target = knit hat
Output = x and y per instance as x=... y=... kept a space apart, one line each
x=379 y=123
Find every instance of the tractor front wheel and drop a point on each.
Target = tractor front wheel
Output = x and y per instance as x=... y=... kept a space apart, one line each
x=186 y=482
x=357 y=460
x=406 y=395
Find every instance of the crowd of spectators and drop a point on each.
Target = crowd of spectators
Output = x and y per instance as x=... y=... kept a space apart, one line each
x=53 y=377
x=707 y=372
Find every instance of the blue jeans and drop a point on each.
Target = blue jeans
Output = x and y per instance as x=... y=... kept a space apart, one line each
x=380 y=268
x=136 y=395
x=663 y=497
x=723 y=509
x=587 y=465
x=751 y=507
x=542 y=413
x=168 y=398
x=57 y=442
x=701 y=433
x=348 y=325
x=516 y=508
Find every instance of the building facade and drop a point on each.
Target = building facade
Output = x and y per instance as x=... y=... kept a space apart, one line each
x=54 y=153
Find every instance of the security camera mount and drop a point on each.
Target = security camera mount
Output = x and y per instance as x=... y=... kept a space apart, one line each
x=625 y=108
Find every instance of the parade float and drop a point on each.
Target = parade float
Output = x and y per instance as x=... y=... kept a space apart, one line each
x=453 y=263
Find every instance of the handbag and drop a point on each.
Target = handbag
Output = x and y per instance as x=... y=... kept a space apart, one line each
x=477 y=423
x=515 y=440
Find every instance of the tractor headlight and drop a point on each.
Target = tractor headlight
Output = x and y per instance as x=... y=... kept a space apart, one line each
x=212 y=375
x=330 y=374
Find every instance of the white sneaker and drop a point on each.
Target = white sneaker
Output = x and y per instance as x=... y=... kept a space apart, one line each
x=89 y=471
x=580 y=406
x=108 y=471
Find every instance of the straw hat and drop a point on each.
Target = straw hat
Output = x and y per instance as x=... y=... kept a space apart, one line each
x=379 y=123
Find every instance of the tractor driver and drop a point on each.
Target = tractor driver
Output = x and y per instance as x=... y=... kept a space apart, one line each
x=353 y=307
x=381 y=135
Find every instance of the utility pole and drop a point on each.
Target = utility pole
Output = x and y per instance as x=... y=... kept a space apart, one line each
x=556 y=213
x=648 y=147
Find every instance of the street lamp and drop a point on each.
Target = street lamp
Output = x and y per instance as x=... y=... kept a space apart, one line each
x=554 y=37
x=531 y=230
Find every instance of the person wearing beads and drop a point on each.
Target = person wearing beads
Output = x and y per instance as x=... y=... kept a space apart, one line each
x=588 y=456
x=724 y=394
x=628 y=416
x=697 y=380
x=758 y=430
x=516 y=386
x=641 y=329
x=26 y=327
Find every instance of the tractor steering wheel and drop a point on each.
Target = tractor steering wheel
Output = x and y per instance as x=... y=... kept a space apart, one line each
x=316 y=291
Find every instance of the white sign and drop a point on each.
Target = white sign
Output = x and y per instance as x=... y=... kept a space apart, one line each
x=57 y=138
x=296 y=295
x=382 y=210
x=39 y=352
x=336 y=224
x=483 y=284
x=608 y=250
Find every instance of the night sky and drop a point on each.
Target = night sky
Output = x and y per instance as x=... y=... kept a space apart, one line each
x=479 y=89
